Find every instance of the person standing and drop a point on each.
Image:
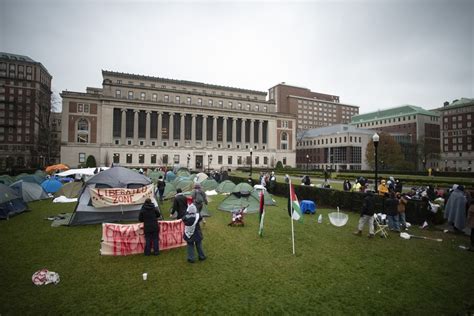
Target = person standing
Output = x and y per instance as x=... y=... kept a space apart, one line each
x=383 y=189
x=367 y=215
x=199 y=198
x=391 y=208
x=161 y=187
x=149 y=215
x=402 y=203
x=455 y=210
x=180 y=204
x=272 y=184
x=347 y=185
x=192 y=233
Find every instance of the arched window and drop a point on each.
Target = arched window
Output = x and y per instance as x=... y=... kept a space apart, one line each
x=82 y=131
x=284 y=140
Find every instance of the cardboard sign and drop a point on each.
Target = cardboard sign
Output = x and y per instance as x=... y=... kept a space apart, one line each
x=124 y=240
x=120 y=196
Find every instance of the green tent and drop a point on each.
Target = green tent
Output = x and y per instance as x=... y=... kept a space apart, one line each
x=267 y=197
x=6 y=179
x=155 y=175
x=242 y=187
x=41 y=173
x=170 y=191
x=234 y=202
x=183 y=172
x=209 y=184
x=184 y=185
x=70 y=190
x=226 y=186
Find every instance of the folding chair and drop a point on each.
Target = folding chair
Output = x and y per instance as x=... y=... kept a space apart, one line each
x=379 y=227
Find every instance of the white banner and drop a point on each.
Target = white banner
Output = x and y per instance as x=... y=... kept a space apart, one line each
x=120 y=196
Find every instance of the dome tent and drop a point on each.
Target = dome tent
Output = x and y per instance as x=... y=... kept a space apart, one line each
x=10 y=202
x=226 y=186
x=70 y=190
x=29 y=191
x=51 y=185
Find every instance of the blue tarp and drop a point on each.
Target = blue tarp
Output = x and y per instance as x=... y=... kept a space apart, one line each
x=51 y=185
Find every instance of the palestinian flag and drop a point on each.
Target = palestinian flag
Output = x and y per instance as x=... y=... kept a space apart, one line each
x=295 y=205
x=262 y=214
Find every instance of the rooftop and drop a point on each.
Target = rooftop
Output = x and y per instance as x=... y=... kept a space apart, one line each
x=391 y=113
x=183 y=82
x=16 y=57
x=457 y=104
x=332 y=130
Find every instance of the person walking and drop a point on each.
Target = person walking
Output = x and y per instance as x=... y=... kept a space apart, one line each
x=180 y=204
x=199 y=198
x=161 y=187
x=149 y=215
x=367 y=215
x=193 y=234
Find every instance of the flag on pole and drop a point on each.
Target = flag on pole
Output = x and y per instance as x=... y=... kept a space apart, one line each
x=262 y=213
x=295 y=205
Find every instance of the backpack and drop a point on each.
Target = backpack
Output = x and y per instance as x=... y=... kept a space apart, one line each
x=198 y=198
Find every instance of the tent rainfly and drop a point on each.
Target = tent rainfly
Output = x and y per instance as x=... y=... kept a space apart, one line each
x=10 y=203
x=29 y=191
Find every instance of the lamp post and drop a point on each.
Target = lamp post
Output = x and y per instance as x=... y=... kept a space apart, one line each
x=376 y=139
x=209 y=160
x=251 y=159
x=307 y=161
x=189 y=158
x=424 y=164
x=446 y=165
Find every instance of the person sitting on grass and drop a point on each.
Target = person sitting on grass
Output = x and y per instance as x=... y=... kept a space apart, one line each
x=367 y=215
x=149 y=215
x=192 y=233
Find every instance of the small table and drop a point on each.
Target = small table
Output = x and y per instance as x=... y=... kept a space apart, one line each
x=308 y=207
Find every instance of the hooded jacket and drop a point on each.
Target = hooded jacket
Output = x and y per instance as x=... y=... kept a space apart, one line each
x=149 y=215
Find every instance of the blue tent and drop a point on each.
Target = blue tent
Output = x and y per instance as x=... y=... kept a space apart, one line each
x=170 y=176
x=51 y=185
x=10 y=202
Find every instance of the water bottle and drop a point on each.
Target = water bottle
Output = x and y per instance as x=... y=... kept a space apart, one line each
x=320 y=218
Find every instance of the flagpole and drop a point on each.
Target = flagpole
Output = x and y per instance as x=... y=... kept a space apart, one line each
x=291 y=214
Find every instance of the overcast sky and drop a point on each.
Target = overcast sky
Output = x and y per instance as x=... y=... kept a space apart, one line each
x=374 y=54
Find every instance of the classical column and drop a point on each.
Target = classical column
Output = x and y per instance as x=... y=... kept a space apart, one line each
x=214 y=132
x=123 y=130
x=224 y=132
x=204 y=131
x=260 y=134
x=181 y=128
x=242 y=133
x=135 y=127
x=147 y=132
x=234 y=132
x=193 y=130
x=160 y=127
x=252 y=132
x=171 y=127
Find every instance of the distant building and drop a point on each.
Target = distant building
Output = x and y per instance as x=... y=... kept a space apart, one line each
x=144 y=121
x=313 y=109
x=415 y=129
x=55 y=144
x=457 y=135
x=336 y=147
x=25 y=104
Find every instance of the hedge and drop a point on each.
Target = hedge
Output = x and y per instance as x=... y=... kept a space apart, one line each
x=350 y=201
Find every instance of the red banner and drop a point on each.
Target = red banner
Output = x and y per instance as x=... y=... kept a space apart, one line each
x=124 y=240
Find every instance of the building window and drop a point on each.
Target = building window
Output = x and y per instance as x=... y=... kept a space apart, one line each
x=154 y=97
x=229 y=160
x=239 y=106
x=82 y=131
x=165 y=159
x=256 y=107
x=167 y=98
x=176 y=159
x=118 y=94
x=142 y=96
x=284 y=140
x=177 y=99
x=141 y=158
x=230 y=105
x=219 y=160
x=210 y=102
x=153 y=159
x=129 y=158
x=130 y=95
x=264 y=108
x=188 y=100
x=82 y=157
x=199 y=101
x=221 y=104
x=86 y=108
x=116 y=158
x=80 y=107
x=239 y=160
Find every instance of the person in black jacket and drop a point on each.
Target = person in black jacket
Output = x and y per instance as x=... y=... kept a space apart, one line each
x=193 y=233
x=367 y=215
x=149 y=215
x=161 y=187
x=391 y=208
x=180 y=204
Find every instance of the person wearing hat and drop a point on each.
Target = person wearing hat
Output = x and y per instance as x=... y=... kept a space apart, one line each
x=192 y=233
x=383 y=189
x=149 y=215
x=199 y=198
x=272 y=184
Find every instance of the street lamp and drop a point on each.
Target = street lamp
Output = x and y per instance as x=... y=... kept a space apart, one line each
x=189 y=158
x=209 y=160
x=376 y=139
x=307 y=161
x=446 y=165
x=251 y=153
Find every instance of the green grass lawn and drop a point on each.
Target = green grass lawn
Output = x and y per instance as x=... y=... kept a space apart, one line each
x=333 y=272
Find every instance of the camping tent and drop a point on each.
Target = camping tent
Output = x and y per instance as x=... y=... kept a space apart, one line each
x=29 y=191
x=117 y=177
x=51 y=185
x=209 y=184
x=184 y=184
x=170 y=191
x=6 y=179
x=242 y=187
x=70 y=190
x=170 y=176
x=10 y=202
x=238 y=201
x=200 y=177
x=267 y=197
x=226 y=186
x=183 y=172
x=155 y=175
x=33 y=178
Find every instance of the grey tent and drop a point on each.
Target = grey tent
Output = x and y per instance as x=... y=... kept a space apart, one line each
x=29 y=191
x=30 y=178
x=10 y=202
x=117 y=177
x=184 y=185
x=226 y=186
x=70 y=190
x=155 y=175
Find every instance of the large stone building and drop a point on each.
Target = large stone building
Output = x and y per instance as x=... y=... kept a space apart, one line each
x=313 y=109
x=336 y=147
x=457 y=133
x=144 y=121
x=415 y=129
x=55 y=139
x=25 y=104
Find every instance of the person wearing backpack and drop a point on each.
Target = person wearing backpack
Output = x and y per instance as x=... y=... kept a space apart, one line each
x=199 y=198
x=193 y=234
